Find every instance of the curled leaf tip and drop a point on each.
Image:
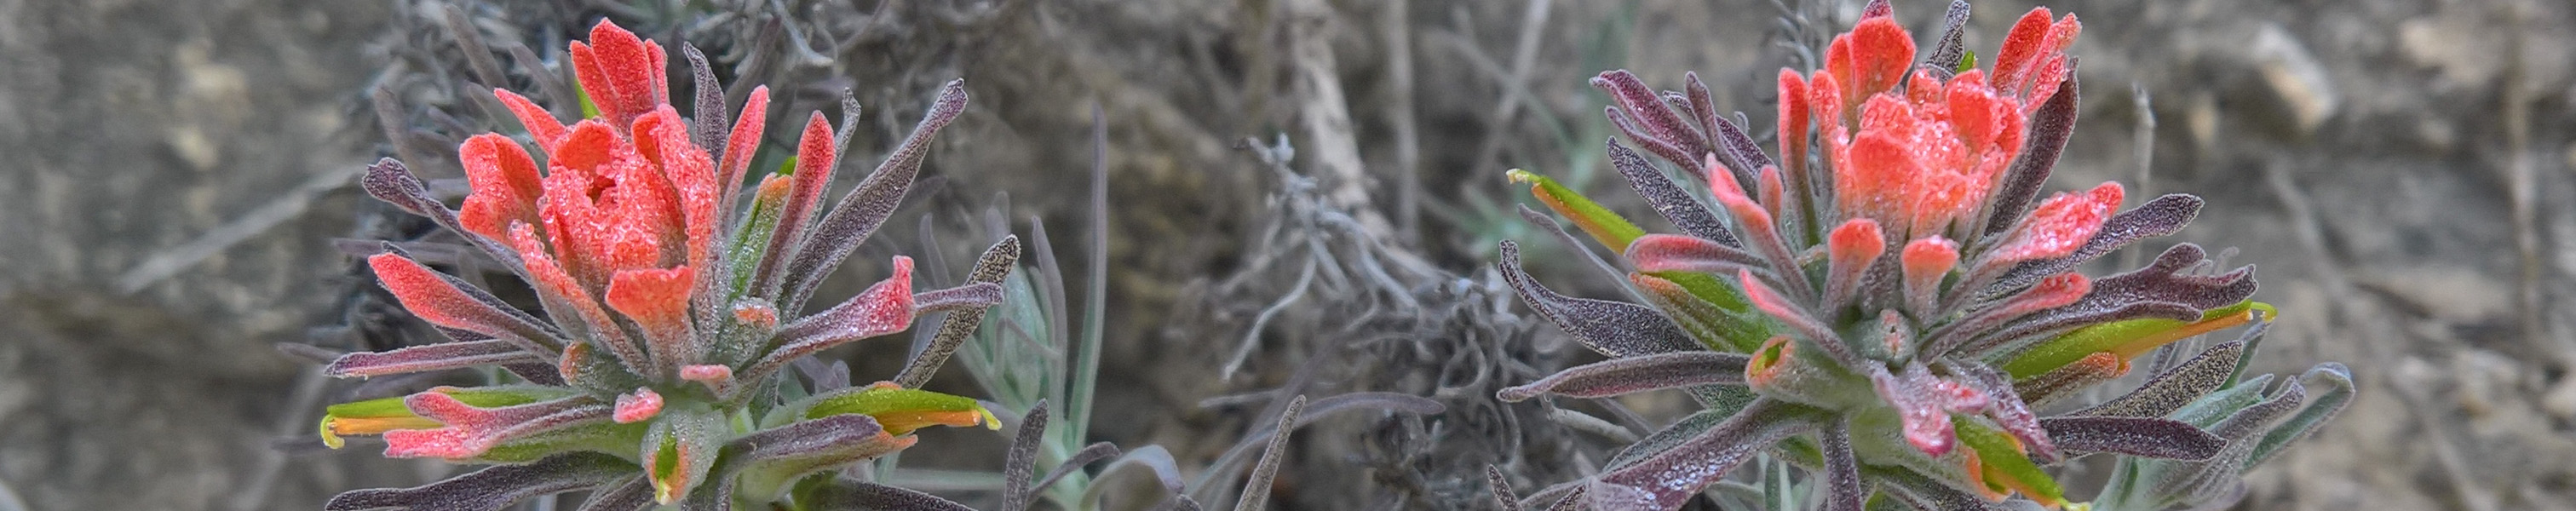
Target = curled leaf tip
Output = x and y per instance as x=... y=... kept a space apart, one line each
x=637 y=406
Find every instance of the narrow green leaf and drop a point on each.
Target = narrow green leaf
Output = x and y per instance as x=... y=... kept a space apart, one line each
x=1606 y=227
x=588 y=109
x=2126 y=338
x=379 y=415
x=901 y=410
x=2005 y=463
x=752 y=238
x=1708 y=287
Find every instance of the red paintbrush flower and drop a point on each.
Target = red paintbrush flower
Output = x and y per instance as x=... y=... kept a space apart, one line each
x=1915 y=300
x=662 y=295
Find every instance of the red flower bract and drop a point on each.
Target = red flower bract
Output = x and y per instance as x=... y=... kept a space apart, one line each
x=661 y=296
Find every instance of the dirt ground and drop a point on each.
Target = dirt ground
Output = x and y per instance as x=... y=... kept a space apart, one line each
x=2401 y=171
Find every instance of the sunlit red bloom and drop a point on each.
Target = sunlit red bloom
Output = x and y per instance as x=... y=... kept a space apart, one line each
x=1921 y=153
x=1898 y=246
x=646 y=321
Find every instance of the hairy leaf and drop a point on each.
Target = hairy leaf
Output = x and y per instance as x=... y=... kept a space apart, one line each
x=1952 y=49
x=768 y=460
x=2149 y=437
x=860 y=213
x=1844 y=490
x=432 y=357
x=996 y=262
x=2163 y=216
x=1636 y=374
x=492 y=488
x=390 y=181
x=446 y=301
x=2069 y=380
x=1727 y=140
x=1677 y=253
x=634 y=494
x=884 y=308
x=2014 y=338
x=2050 y=127
x=1649 y=118
x=1669 y=200
x=1612 y=328
x=1663 y=480
x=2168 y=280
x=708 y=124
x=1021 y=462
x=2169 y=391
x=864 y=496
x=468 y=431
x=1256 y=491
x=1690 y=426
x=680 y=451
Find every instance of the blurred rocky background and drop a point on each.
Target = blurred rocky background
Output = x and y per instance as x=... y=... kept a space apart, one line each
x=2401 y=171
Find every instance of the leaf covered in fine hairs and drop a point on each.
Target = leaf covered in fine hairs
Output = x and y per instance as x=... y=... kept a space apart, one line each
x=633 y=494
x=1726 y=139
x=1645 y=117
x=390 y=181
x=1256 y=490
x=492 y=488
x=1021 y=462
x=1952 y=47
x=972 y=296
x=1072 y=465
x=1669 y=199
x=860 y=213
x=451 y=303
x=1676 y=253
x=996 y=262
x=708 y=127
x=432 y=357
x=469 y=431
x=1612 y=328
x=2067 y=381
x=1629 y=375
x=1665 y=479
x=1690 y=426
x=883 y=308
x=2174 y=388
x=1502 y=488
x=1573 y=500
x=864 y=496
x=2169 y=279
x=2163 y=216
x=1844 y=490
x=2150 y=437
x=780 y=455
x=2050 y=127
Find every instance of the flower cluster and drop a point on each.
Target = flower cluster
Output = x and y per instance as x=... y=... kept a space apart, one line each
x=1890 y=302
x=654 y=374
